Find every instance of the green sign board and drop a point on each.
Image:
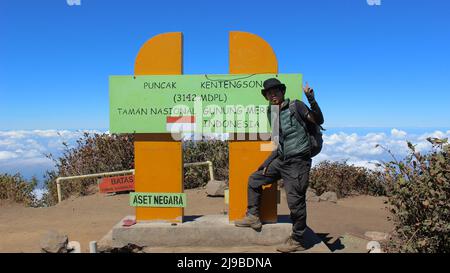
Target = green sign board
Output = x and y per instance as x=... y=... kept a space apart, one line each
x=193 y=103
x=156 y=199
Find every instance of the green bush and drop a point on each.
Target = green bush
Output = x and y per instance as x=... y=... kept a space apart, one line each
x=419 y=199
x=16 y=188
x=344 y=179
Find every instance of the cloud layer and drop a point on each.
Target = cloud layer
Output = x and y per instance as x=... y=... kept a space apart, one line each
x=24 y=151
x=362 y=150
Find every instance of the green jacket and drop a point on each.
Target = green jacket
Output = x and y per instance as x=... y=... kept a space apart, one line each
x=293 y=139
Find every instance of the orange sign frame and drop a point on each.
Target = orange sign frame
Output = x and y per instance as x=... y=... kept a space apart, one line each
x=158 y=158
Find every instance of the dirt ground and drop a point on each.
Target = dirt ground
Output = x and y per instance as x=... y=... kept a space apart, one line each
x=89 y=218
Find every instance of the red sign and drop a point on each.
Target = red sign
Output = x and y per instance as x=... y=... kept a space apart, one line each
x=117 y=184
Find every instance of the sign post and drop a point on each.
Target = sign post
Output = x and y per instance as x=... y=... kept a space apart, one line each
x=158 y=157
x=249 y=54
x=159 y=104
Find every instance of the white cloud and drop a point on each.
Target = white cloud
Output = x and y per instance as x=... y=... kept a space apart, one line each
x=398 y=133
x=48 y=133
x=365 y=163
x=6 y=142
x=374 y=137
x=13 y=134
x=45 y=133
x=6 y=155
x=38 y=193
x=24 y=151
x=437 y=134
x=361 y=150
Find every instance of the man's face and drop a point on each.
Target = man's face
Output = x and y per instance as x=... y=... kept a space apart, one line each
x=275 y=96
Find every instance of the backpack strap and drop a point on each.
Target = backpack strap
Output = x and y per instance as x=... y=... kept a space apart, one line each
x=301 y=111
x=299 y=115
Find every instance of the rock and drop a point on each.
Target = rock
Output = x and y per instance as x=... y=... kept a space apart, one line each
x=147 y=249
x=376 y=236
x=329 y=196
x=313 y=199
x=105 y=243
x=311 y=196
x=129 y=248
x=105 y=249
x=53 y=242
x=74 y=247
x=374 y=247
x=215 y=188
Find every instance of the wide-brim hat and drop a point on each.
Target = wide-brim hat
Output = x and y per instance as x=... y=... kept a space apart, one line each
x=271 y=84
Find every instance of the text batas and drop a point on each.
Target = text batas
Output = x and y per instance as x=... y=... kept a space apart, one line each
x=193 y=103
x=117 y=184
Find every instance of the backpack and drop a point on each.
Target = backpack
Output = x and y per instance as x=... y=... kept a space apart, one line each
x=312 y=129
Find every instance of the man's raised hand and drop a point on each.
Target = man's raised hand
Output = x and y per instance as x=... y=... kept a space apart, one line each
x=309 y=92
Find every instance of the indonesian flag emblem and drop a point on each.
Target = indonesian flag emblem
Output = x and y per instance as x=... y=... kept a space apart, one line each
x=180 y=124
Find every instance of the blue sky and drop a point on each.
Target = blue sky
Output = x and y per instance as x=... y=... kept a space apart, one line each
x=379 y=71
x=371 y=66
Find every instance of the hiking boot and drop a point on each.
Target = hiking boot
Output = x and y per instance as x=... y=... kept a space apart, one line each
x=291 y=245
x=249 y=221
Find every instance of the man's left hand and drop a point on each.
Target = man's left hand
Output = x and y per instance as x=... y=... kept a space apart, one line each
x=309 y=92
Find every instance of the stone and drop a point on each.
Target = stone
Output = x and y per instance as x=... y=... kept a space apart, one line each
x=105 y=243
x=206 y=231
x=376 y=236
x=74 y=247
x=311 y=196
x=349 y=243
x=329 y=196
x=374 y=247
x=215 y=188
x=54 y=242
x=313 y=199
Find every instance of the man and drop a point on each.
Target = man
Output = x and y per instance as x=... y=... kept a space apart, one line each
x=291 y=161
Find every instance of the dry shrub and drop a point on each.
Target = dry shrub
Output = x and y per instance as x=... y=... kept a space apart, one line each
x=419 y=199
x=215 y=151
x=105 y=153
x=92 y=154
x=344 y=179
x=15 y=188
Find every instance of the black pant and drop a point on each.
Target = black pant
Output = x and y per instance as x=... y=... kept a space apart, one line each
x=295 y=174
